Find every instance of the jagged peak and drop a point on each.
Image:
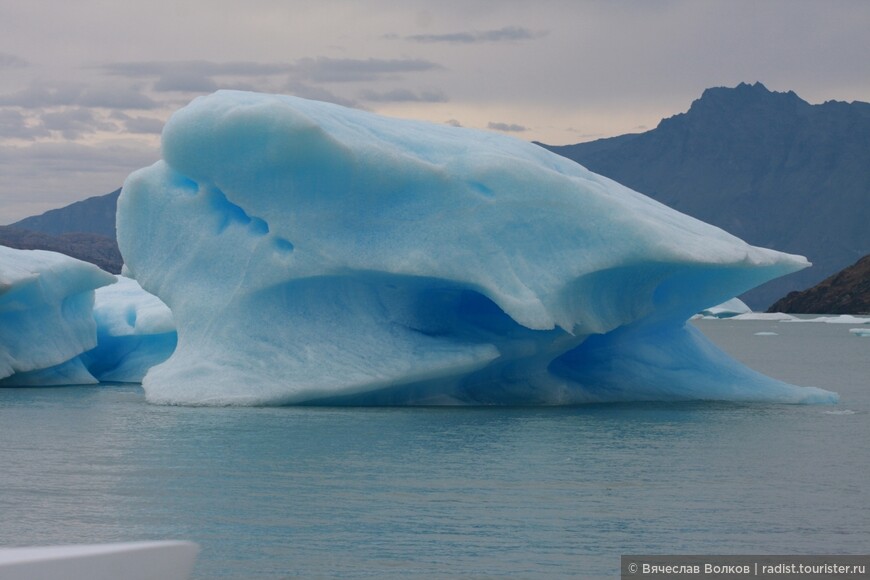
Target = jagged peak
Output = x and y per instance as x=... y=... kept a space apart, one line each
x=744 y=96
x=745 y=92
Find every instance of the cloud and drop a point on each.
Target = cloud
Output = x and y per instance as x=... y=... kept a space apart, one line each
x=325 y=69
x=14 y=125
x=453 y=123
x=196 y=76
x=11 y=61
x=403 y=96
x=200 y=76
x=70 y=123
x=508 y=128
x=193 y=83
x=156 y=68
x=41 y=94
x=42 y=176
x=506 y=34
x=140 y=125
x=73 y=123
x=306 y=91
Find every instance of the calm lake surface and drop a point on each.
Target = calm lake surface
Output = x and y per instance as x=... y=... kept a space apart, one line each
x=471 y=492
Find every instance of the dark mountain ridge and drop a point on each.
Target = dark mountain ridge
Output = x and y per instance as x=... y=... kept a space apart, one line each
x=766 y=166
x=88 y=247
x=83 y=230
x=846 y=292
x=94 y=215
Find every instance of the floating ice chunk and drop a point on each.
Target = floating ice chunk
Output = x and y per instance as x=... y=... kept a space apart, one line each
x=839 y=319
x=860 y=331
x=763 y=333
x=770 y=316
x=135 y=331
x=727 y=309
x=46 y=301
x=316 y=254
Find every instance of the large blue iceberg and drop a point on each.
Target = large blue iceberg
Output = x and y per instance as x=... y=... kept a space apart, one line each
x=316 y=254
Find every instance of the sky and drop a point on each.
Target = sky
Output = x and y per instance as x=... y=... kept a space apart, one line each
x=86 y=86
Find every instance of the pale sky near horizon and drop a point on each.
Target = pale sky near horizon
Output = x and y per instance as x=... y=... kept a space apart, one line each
x=86 y=86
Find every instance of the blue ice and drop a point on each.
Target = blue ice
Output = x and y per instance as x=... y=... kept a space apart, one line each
x=66 y=322
x=314 y=254
x=46 y=320
x=135 y=331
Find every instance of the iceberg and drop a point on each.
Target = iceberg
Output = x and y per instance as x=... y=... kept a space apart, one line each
x=727 y=309
x=135 y=331
x=768 y=316
x=46 y=321
x=314 y=254
x=838 y=319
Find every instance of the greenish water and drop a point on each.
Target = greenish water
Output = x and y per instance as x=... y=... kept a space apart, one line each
x=470 y=492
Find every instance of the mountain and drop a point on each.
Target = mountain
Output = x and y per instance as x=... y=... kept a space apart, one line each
x=846 y=292
x=765 y=166
x=94 y=215
x=93 y=248
x=83 y=230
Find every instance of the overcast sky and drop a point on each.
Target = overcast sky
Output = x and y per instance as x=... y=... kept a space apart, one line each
x=86 y=86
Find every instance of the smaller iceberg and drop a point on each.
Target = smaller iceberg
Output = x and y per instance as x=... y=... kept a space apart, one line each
x=727 y=309
x=135 y=331
x=838 y=319
x=46 y=320
x=768 y=316
x=66 y=322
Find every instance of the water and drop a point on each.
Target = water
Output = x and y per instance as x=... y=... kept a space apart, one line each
x=471 y=492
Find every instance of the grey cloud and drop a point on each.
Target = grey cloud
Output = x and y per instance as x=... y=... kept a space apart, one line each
x=506 y=127
x=41 y=94
x=200 y=76
x=42 y=176
x=195 y=67
x=307 y=91
x=14 y=125
x=73 y=123
x=453 y=123
x=196 y=76
x=193 y=83
x=11 y=61
x=403 y=96
x=79 y=157
x=506 y=34
x=139 y=124
x=324 y=69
